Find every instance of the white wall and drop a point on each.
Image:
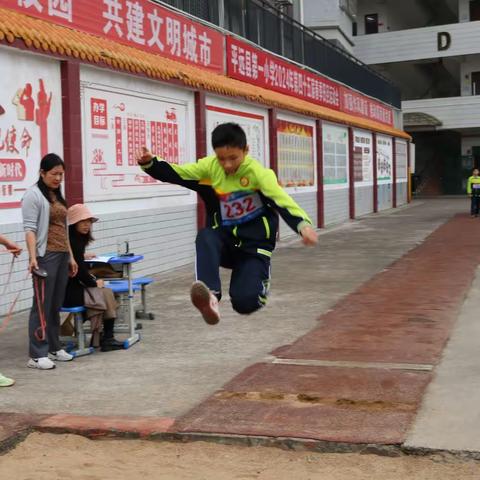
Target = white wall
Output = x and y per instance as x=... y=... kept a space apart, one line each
x=308 y=201
x=454 y=112
x=325 y=17
x=418 y=43
x=320 y=12
x=337 y=207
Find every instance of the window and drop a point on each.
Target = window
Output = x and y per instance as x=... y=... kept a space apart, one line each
x=475 y=83
x=371 y=23
x=476 y=157
x=474 y=10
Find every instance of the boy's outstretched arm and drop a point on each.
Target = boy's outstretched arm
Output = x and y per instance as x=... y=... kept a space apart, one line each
x=295 y=217
x=169 y=172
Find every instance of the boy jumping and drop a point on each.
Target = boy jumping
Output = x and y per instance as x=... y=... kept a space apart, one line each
x=242 y=198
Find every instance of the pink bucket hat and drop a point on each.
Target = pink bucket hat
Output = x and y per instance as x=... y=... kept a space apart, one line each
x=78 y=212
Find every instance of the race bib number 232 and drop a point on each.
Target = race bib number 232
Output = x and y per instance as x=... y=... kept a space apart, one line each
x=240 y=207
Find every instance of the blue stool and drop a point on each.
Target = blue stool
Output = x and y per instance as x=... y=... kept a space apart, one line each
x=82 y=349
x=121 y=286
x=143 y=282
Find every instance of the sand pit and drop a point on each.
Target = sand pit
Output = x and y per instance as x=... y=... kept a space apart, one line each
x=52 y=457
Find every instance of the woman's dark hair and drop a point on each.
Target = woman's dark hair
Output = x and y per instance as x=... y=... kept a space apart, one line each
x=229 y=135
x=84 y=239
x=49 y=161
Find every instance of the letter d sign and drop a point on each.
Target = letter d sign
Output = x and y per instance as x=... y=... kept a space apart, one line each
x=444 y=40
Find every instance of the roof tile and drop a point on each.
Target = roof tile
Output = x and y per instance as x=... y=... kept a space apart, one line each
x=38 y=34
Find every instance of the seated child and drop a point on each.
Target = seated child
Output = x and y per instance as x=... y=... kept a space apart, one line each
x=80 y=219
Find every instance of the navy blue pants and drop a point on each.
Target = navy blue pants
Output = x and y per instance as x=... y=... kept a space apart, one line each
x=475 y=205
x=250 y=280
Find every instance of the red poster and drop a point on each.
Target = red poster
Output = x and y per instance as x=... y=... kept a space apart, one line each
x=118 y=141
x=140 y=24
x=98 y=113
x=252 y=65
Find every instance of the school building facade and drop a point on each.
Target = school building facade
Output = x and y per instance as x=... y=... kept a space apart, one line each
x=432 y=52
x=95 y=81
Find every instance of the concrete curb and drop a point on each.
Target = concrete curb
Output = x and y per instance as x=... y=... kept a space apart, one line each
x=285 y=443
x=160 y=430
x=95 y=426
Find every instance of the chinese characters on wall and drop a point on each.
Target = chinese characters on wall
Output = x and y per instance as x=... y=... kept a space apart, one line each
x=137 y=23
x=362 y=157
x=29 y=107
x=118 y=126
x=384 y=159
x=257 y=67
x=296 y=162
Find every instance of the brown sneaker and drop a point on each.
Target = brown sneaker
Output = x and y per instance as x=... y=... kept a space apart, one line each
x=206 y=302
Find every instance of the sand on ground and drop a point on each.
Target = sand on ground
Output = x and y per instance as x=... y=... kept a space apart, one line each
x=50 y=457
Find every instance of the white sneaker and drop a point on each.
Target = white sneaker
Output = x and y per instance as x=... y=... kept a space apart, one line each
x=206 y=302
x=60 y=356
x=43 y=363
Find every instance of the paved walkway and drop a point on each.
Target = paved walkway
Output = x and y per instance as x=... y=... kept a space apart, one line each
x=343 y=352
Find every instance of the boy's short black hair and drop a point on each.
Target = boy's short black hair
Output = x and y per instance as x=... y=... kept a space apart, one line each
x=229 y=135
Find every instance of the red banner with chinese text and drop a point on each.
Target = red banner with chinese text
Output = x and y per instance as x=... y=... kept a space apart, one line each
x=252 y=65
x=140 y=24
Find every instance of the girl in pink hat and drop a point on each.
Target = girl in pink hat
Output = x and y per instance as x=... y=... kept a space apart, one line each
x=80 y=221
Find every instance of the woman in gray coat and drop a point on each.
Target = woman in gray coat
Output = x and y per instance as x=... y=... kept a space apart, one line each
x=44 y=213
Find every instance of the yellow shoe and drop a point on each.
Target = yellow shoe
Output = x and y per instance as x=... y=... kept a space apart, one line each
x=5 y=381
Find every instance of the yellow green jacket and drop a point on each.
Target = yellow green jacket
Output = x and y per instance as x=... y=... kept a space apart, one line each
x=243 y=204
x=473 y=186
